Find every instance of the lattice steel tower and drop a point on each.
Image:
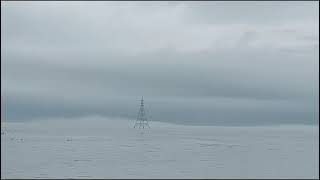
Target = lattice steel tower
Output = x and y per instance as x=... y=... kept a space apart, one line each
x=142 y=121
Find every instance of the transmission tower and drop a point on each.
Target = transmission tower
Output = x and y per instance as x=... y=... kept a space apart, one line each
x=142 y=121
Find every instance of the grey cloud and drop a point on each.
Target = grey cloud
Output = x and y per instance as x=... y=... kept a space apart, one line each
x=70 y=63
x=251 y=12
x=177 y=75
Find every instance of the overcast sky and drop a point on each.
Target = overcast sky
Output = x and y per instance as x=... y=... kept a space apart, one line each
x=233 y=63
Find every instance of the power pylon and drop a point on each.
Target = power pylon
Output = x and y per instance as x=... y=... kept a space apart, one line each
x=142 y=121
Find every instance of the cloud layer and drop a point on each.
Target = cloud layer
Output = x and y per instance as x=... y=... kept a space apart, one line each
x=195 y=62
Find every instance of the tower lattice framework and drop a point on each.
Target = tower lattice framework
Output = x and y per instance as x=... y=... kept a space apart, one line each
x=142 y=121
